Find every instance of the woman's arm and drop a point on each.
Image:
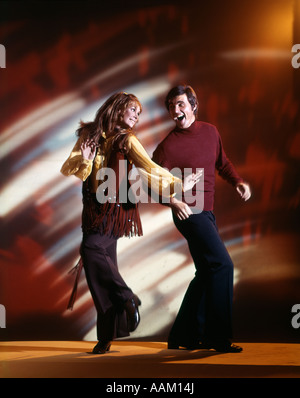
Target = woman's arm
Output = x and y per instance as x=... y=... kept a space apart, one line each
x=77 y=163
x=155 y=176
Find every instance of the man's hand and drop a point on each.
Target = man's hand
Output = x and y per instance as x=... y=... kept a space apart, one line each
x=180 y=209
x=243 y=190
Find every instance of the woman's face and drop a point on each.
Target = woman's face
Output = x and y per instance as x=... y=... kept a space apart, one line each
x=131 y=115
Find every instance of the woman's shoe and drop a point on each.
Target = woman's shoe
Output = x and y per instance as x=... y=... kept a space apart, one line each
x=101 y=348
x=133 y=315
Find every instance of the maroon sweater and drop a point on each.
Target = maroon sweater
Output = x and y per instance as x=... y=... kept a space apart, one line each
x=198 y=146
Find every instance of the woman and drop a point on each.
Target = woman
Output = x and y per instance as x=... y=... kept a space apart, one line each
x=108 y=143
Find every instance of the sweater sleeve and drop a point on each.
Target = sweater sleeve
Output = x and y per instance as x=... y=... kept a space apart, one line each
x=153 y=175
x=224 y=166
x=76 y=164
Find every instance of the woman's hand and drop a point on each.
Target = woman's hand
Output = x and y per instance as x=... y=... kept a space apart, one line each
x=191 y=180
x=88 y=149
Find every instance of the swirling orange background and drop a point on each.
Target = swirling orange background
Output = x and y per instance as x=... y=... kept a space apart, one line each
x=63 y=59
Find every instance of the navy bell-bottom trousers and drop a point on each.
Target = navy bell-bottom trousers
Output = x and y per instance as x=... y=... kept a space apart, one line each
x=206 y=310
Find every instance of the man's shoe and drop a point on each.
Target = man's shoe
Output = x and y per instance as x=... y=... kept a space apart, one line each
x=225 y=347
x=172 y=345
x=233 y=348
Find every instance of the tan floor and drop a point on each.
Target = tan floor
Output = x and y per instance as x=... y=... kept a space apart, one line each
x=35 y=359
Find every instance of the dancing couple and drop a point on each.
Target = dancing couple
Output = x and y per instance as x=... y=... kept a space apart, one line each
x=109 y=143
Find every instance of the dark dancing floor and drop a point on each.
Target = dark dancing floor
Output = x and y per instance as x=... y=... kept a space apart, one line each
x=129 y=359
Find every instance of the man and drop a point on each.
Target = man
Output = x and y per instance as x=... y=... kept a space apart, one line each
x=204 y=318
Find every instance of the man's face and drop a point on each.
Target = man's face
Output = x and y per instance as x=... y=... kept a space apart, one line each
x=181 y=111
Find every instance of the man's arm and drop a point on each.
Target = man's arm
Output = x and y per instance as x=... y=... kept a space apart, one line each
x=227 y=172
x=180 y=209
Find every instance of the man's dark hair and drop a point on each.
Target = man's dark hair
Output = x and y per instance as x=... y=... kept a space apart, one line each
x=180 y=90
